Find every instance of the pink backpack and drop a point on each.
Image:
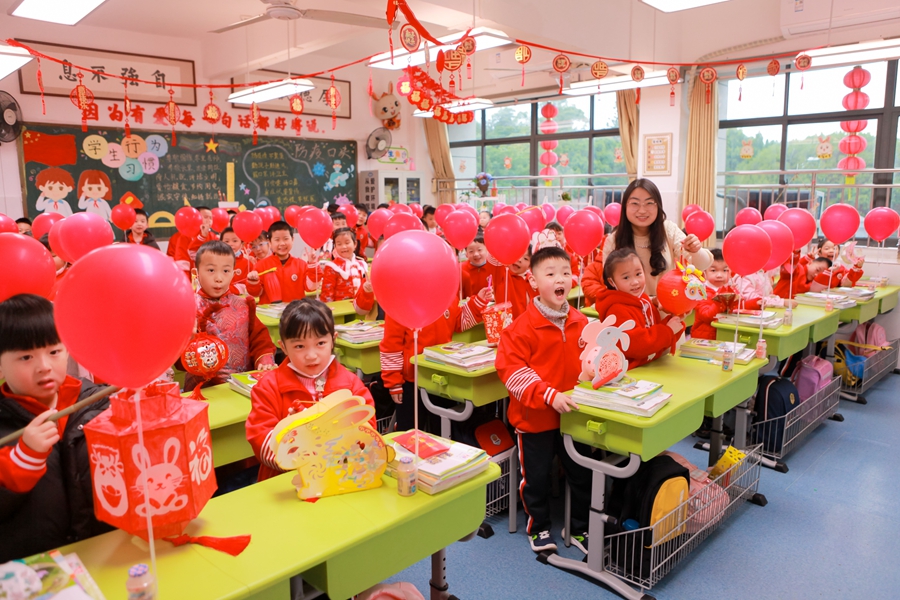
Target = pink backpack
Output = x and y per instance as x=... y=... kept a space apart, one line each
x=708 y=500
x=869 y=333
x=811 y=375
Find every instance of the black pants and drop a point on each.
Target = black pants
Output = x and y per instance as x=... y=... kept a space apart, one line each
x=536 y=451
x=428 y=422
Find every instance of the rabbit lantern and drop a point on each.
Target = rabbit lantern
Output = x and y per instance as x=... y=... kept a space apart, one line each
x=681 y=289
x=602 y=361
x=824 y=150
x=387 y=108
x=332 y=447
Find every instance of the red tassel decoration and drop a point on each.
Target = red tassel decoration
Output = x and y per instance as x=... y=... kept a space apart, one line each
x=672 y=96
x=637 y=96
x=740 y=92
x=254 y=118
x=127 y=109
x=230 y=545
x=469 y=68
x=370 y=91
x=560 y=82
x=173 y=113
x=40 y=81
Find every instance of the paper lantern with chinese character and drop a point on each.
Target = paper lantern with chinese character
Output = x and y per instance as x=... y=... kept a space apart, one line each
x=211 y=112
x=679 y=290
x=404 y=85
x=672 y=75
x=415 y=95
x=82 y=98
x=204 y=356
x=561 y=64
x=708 y=76
x=173 y=114
x=774 y=67
x=523 y=55
x=170 y=477
x=333 y=100
x=296 y=104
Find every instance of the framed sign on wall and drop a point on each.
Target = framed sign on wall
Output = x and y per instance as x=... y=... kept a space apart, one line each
x=658 y=154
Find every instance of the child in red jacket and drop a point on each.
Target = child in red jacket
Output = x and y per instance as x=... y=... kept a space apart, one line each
x=481 y=272
x=837 y=275
x=243 y=265
x=537 y=359
x=344 y=276
x=283 y=277
x=718 y=283
x=187 y=246
x=397 y=372
x=803 y=276
x=309 y=374
x=511 y=284
x=228 y=316
x=626 y=299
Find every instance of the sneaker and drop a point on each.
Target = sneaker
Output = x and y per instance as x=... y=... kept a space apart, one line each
x=543 y=540
x=579 y=541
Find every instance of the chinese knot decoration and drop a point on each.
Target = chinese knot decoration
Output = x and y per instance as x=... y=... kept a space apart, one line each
x=296 y=104
x=173 y=114
x=637 y=75
x=854 y=144
x=254 y=119
x=740 y=73
x=211 y=112
x=561 y=64
x=333 y=100
x=708 y=77
x=549 y=127
x=523 y=55
x=82 y=98
x=672 y=75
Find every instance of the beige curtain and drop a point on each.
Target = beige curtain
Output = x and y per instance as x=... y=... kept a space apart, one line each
x=629 y=126
x=439 y=151
x=700 y=157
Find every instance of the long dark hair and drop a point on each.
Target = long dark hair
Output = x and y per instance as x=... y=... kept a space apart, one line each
x=624 y=235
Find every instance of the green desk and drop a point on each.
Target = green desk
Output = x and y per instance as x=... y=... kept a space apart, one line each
x=576 y=297
x=341 y=544
x=228 y=412
x=810 y=324
x=592 y=312
x=479 y=387
x=342 y=310
x=887 y=297
x=470 y=336
x=364 y=358
x=862 y=312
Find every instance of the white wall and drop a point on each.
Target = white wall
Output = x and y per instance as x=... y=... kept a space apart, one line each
x=657 y=116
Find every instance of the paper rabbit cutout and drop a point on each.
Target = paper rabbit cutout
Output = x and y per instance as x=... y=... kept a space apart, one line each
x=602 y=361
x=331 y=447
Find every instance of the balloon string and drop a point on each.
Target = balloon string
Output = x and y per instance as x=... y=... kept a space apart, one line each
x=580 y=289
x=506 y=286
x=140 y=434
x=738 y=322
x=460 y=280
x=416 y=388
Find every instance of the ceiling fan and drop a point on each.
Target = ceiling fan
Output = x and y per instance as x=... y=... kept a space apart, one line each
x=284 y=10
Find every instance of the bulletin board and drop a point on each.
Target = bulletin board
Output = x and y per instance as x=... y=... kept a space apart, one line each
x=658 y=154
x=199 y=170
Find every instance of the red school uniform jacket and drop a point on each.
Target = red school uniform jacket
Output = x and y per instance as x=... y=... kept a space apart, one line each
x=362 y=240
x=535 y=360
x=287 y=282
x=478 y=277
x=397 y=345
x=239 y=285
x=342 y=278
x=284 y=392
x=651 y=337
x=706 y=311
x=783 y=287
x=187 y=250
x=838 y=272
x=172 y=247
x=233 y=320
x=592 y=285
x=520 y=291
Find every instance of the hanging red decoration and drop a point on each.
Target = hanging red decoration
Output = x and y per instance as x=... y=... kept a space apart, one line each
x=173 y=114
x=523 y=55
x=803 y=62
x=740 y=73
x=404 y=85
x=126 y=102
x=211 y=112
x=637 y=74
x=296 y=104
x=672 y=75
x=40 y=82
x=82 y=98
x=468 y=46
x=853 y=126
x=857 y=78
x=410 y=38
x=426 y=103
x=453 y=60
x=561 y=64
x=204 y=356
x=853 y=144
x=451 y=87
x=333 y=100
x=855 y=100
x=549 y=158
x=599 y=70
x=438 y=112
x=254 y=119
x=708 y=76
x=774 y=67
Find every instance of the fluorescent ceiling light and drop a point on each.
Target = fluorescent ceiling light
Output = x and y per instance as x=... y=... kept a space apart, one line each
x=64 y=12
x=485 y=39
x=676 y=5
x=855 y=53
x=458 y=106
x=271 y=91
x=12 y=59
x=421 y=113
x=612 y=84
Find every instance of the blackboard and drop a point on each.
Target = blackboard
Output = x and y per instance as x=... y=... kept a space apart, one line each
x=198 y=170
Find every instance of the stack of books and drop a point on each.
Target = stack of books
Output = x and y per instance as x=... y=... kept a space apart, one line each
x=635 y=397
x=47 y=576
x=358 y=332
x=769 y=319
x=469 y=357
x=444 y=470
x=714 y=350
x=860 y=294
x=273 y=311
x=838 y=301
x=243 y=383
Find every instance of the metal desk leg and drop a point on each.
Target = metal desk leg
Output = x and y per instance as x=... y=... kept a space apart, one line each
x=741 y=425
x=438 y=583
x=594 y=567
x=513 y=491
x=715 y=440
x=446 y=414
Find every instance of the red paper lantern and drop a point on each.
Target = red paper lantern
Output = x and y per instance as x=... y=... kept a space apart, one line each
x=549 y=158
x=173 y=114
x=857 y=78
x=333 y=100
x=523 y=55
x=82 y=98
x=853 y=126
x=174 y=464
x=549 y=127
x=549 y=111
x=852 y=144
x=549 y=144
x=851 y=165
x=677 y=296
x=856 y=100
x=204 y=356
x=296 y=104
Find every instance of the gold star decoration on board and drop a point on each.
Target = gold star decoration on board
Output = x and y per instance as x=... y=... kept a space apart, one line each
x=211 y=145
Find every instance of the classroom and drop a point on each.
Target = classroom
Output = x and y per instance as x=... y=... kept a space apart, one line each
x=408 y=299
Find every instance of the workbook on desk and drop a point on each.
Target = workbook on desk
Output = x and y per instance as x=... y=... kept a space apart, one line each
x=243 y=383
x=359 y=332
x=769 y=319
x=443 y=471
x=860 y=294
x=273 y=311
x=470 y=357
x=715 y=350
x=48 y=576
x=626 y=399
x=838 y=301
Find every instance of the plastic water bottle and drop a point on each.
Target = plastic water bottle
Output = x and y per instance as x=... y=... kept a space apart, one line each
x=406 y=477
x=761 y=349
x=728 y=359
x=829 y=305
x=788 y=316
x=141 y=584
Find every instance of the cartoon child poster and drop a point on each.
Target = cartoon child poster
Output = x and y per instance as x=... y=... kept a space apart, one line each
x=95 y=191
x=55 y=184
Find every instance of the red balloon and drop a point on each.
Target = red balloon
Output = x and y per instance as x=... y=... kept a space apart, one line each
x=42 y=224
x=377 y=220
x=220 y=218
x=597 y=211
x=315 y=227
x=565 y=211
x=435 y=287
x=290 y=215
x=247 y=225
x=802 y=225
x=441 y=213
x=613 y=212
x=402 y=222
x=509 y=210
x=8 y=225
x=417 y=209
x=460 y=228
x=747 y=216
x=520 y=206
x=123 y=217
x=34 y=271
x=584 y=232
x=83 y=232
x=782 y=243
x=701 y=224
x=774 y=211
x=549 y=211
x=498 y=208
x=276 y=214
x=400 y=208
x=688 y=210
x=535 y=218
x=469 y=209
x=188 y=221
x=56 y=244
x=265 y=216
x=839 y=222
x=881 y=223
x=746 y=249
x=506 y=238
x=349 y=211
x=148 y=301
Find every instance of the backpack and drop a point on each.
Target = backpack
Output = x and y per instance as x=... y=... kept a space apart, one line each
x=871 y=334
x=811 y=375
x=775 y=397
x=655 y=497
x=708 y=500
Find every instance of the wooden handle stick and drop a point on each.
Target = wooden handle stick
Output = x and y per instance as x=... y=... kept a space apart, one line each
x=65 y=412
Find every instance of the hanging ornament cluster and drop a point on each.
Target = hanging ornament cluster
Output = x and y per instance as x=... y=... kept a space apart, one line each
x=127 y=106
x=333 y=100
x=254 y=119
x=708 y=77
x=637 y=75
x=83 y=99
x=523 y=55
x=854 y=144
x=467 y=46
x=561 y=64
x=428 y=95
x=211 y=112
x=740 y=73
x=549 y=127
x=802 y=63
x=173 y=114
x=672 y=75
x=296 y=104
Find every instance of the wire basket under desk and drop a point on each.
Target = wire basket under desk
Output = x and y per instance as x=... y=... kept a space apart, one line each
x=644 y=556
x=498 y=491
x=778 y=436
x=875 y=368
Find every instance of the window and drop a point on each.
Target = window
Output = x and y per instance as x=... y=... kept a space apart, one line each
x=752 y=98
x=822 y=91
x=573 y=114
x=507 y=122
x=572 y=160
x=750 y=149
x=606 y=111
x=467 y=131
x=504 y=160
x=607 y=158
x=466 y=161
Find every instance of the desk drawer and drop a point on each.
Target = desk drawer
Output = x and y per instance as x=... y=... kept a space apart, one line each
x=481 y=390
x=825 y=328
x=780 y=346
x=470 y=336
x=367 y=360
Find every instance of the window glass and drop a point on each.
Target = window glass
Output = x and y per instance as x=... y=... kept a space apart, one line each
x=753 y=98
x=749 y=149
x=505 y=160
x=606 y=112
x=466 y=132
x=508 y=121
x=824 y=90
x=573 y=114
x=466 y=164
x=571 y=159
x=608 y=159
